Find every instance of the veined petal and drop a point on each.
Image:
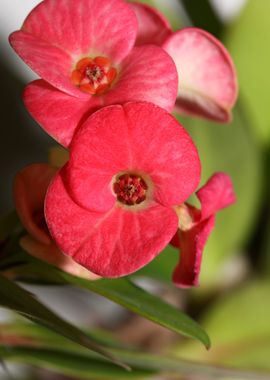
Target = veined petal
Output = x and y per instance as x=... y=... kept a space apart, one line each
x=110 y=244
x=68 y=223
x=153 y=26
x=147 y=74
x=191 y=244
x=216 y=194
x=99 y=150
x=162 y=148
x=30 y=186
x=85 y=26
x=125 y=241
x=207 y=77
x=50 y=62
x=136 y=137
x=59 y=114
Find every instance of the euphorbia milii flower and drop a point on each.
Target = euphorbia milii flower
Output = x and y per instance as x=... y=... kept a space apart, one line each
x=111 y=208
x=196 y=225
x=207 y=78
x=84 y=52
x=30 y=187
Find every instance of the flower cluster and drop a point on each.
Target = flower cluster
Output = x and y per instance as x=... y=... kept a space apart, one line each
x=111 y=73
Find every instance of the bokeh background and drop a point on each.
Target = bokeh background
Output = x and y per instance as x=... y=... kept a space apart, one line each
x=233 y=301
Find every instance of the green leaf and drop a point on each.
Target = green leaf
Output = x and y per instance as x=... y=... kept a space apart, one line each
x=240 y=329
x=71 y=364
x=69 y=358
x=229 y=148
x=19 y=300
x=123 y=292
x=247 y=41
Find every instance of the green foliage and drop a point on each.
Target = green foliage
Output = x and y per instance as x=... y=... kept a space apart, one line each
x=239 y=327
x=68 y=358
x=19 y=300
x=123 y=292
x=247 y=41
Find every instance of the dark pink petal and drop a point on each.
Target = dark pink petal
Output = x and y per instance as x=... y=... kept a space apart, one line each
x=68 y=223
x=99 y=150
x=59 y=114
x=30 y=187
x=191 y=244
x=112 y=244
x=138 y=137
x=50 y=62
x=163 y=149
x=207 y=77
x=81 y=27
x=153 y=26
x=216 y=194
x=147 y=74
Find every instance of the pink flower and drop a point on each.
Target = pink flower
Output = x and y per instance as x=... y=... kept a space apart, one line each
x=30 y=187
x=111 y=208
x=196 y=225
x=207 y=78
x=84 y=51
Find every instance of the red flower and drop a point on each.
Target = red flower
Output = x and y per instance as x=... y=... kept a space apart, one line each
x=207 y=78
x=196 y=225
x=84 y=50
x=30 y=187
x=111 y=208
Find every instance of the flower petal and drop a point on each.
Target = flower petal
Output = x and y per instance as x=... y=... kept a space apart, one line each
x=50 y=62
x=163 y=149
x=216 y=194
x=68 y=223
x=191 y=244
x=83 y=26
x=99 y=150
x=153 y=26
x=56 y=34
x=112 y=244
x=207 y=77
x=52 y=255
x=147 y=74
x=136 y=137
x=59 y=114
x=125 y=241
x=30 y=187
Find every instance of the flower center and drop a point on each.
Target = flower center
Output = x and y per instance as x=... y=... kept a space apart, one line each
x=94 y=76
x=130 y=189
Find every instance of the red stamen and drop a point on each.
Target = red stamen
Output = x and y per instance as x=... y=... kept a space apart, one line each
x=130 y=189
x=94 y=76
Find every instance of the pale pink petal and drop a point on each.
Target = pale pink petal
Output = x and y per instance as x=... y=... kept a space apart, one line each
x=153 y=26
x=112 y=244
x=191 y=244
x=216 y=194
x=163 y=149
x=30 y=187
x=50 y=62
x=59 y=114
x=52 y=255
x=147 y=74
x=138 y=137
x=81 y=27
x=125 y=241
x=207 y=77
